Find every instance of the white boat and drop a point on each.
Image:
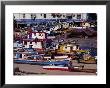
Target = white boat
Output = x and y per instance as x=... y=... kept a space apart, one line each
x=56 y=57
x=62 y=68
x=56 y=68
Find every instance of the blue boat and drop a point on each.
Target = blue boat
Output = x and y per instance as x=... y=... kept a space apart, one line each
x=64 y=62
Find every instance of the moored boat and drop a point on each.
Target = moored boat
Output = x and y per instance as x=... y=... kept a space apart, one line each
x=62 y=68
x=64 y=62
x=71 y=69
x=88 y=61
x=56 y=68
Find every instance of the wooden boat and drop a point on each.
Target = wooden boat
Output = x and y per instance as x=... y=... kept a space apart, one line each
x=64 y=62
x=88 y=61
x=56 y=57
x=72 y=69
x=61 y=67
x=56 y=68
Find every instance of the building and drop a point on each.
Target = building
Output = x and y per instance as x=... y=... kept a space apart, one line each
x=25 y=55
x=17 y=44
x=25 y=19
x=67 y=47
x=35 y=40
x=38 y=35
x=75 y=16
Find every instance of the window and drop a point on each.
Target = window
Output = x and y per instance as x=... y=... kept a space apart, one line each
x=40 y=34
x=25 y=43
x=31 y=16
x=69 y=17
x=66 y=47
x=34 y=16
x=79 y=16
x=34 y=34
x=58 y=47
x=20 y=55
x=30 y=46
x=73 y=15
x=53 y=15
x=14 y=17
x=71 y=48
x=77 y=46
x=23 y=15
x=44 y=15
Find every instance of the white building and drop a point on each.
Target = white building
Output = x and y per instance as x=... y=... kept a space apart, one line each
x=35 y=40
x=16 y=45
x=32 y=44
x=75 y=16
x=38 y=35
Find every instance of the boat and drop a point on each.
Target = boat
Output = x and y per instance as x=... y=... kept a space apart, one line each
x=62 y=68
x=71 y=69
x=63 y=62
x=88 y=61
x=56 y=68
x=56 y=57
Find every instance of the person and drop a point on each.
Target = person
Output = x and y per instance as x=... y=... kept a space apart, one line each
x=52 y=55
x=55 y=52
x=49 y=59
x=69 y=57
x=70 y=65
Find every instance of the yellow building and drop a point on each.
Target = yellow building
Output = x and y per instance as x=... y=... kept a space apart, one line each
x=86 y=24
x=67 y=47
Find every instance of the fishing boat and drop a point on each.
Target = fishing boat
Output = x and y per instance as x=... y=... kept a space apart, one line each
x=56 y=68
x=56 y=57
x=63 y=62
x=62 y=68
x=88 y=61
x=71 y=69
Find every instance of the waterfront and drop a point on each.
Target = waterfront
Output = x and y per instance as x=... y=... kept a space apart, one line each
x=47 y=43
x=38 y=70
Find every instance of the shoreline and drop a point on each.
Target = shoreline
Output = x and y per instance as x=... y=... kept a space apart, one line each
x=38 y=70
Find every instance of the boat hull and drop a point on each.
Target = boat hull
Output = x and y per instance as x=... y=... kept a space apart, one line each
x=73 y=69
x=88 y=61
x=56 y=68
x=42 y=62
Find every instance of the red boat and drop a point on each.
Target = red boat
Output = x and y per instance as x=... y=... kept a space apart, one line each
x=62 y=68
x=72 y=69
